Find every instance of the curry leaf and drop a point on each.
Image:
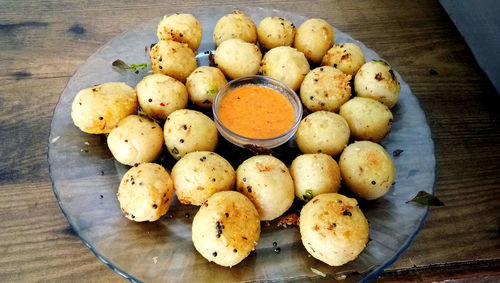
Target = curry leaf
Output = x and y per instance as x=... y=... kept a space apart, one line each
x=424 y=198
x=397 y=152
x=121 y=66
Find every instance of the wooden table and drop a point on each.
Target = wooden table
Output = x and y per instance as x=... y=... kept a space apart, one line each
x=42 y=43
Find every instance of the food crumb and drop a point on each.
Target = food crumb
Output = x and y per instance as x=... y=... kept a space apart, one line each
x=86 y=143
x=340 y=277
x=155 y=259
x=317 y=272
x=288 y=220
x=55 y=139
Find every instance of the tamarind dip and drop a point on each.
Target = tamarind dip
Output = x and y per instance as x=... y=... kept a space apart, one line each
x=256 y=112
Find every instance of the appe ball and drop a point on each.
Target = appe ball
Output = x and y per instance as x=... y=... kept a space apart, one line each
x=347 y=57
x=237 y=58
x=286 y=58
x=187 y=131
x=200 y=174
x=226 y=228
x=266 y=181
x=315 y=174
x=159 y=95
x=235 y=25
x=377 y=80
x=145 y=192
x=313 y=38
x=98 y=109
x=367 y=169
x=333 y=228
x=135 y=139
x=367 y=118
x=172 y=58
x=322 y=132
x=274 y=31
x=183 y=28
x=203 y=85
x=325 y=88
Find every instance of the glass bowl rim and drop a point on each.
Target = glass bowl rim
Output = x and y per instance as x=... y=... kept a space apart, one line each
x=254 y=141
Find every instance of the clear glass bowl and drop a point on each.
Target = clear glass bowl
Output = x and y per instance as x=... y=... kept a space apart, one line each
x=268 y=82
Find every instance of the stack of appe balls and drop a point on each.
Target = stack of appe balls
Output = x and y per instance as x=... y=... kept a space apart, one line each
x=338 y=140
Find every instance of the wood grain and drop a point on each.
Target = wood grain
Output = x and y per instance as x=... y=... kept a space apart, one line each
x=43 y=43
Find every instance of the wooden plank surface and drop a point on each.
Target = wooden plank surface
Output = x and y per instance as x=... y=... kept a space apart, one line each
x=43 y=43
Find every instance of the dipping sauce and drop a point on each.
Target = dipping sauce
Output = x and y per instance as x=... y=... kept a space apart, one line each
x=256 y=112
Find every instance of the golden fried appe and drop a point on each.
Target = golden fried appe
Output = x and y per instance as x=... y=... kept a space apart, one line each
x=145 y=192
x=322 y=132
x=237 y=58
x=159 y=95
x=265 y=180
x=377 y=80
x=367 y=169
x=187 y=131
x=367 y=118
x=226 y=228
x=274 y=31
x=313 y=38
x=203 y=85
x=183 y=28
x=333 y=228
x=98 y=109
x=325 y=88
x=198 y=175
x=135 y=140
x=347 y=57
x=235 y=25
x=285 y=64
x=172 y=58
x=315 y=174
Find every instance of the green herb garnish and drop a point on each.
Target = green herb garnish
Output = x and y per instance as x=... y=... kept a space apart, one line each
x=136 y=67
x=308 y=195
x=212 y=91
x=381 y=61
x=424 y=198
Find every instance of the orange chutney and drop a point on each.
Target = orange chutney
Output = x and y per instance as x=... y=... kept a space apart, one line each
x=256 y=112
